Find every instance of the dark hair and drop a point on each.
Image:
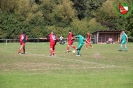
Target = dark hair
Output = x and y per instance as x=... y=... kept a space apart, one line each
x=24 y=32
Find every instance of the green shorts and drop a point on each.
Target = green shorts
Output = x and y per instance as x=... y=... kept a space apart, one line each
x=123 y=42
x=79 y=46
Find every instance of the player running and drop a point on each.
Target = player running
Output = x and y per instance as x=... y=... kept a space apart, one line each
x=89 y=40
x=123 y=40
x=52 y=38
x=22 y=39
x=70 y=41
x=81 y=41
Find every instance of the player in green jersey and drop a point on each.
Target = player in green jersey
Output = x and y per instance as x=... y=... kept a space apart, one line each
x=81 y=41
x=123 y=40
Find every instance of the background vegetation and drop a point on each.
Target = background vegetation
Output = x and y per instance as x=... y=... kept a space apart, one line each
x=39 y=17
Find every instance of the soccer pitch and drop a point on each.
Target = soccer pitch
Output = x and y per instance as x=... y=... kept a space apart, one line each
x=100 y=67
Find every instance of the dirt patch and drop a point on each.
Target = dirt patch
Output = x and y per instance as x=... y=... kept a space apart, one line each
x=96 y=55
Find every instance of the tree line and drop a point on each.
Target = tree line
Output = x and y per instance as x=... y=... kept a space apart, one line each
x=38 y=17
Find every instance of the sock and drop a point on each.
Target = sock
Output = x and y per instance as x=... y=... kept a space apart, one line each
x=68 y=48
x=86 y=45
x=120 y=47
x=24 y=50
x=51 y=51
x=19 y=51
x=78 y=52
x=126 y=48
x=90 y=45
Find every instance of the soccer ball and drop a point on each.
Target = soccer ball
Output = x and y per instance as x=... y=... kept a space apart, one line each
x=73 y=51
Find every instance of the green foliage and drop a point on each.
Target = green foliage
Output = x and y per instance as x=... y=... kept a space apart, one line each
x=94 y=25
x=80 y=27
x=107 y=16
x=64 y=13
x=39 y=17
x=129 y=25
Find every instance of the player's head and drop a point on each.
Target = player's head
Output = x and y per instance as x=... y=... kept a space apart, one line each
x=52 y=32
x=88 y=33
x=123 y=31
x=70 y=31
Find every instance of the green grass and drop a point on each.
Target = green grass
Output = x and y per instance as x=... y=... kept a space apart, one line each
x=101 y=67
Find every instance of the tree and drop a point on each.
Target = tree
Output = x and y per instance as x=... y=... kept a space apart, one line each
x=87 y=8
x=107 y=16
x=64 y=13
x=129 y=25
x=8 y=5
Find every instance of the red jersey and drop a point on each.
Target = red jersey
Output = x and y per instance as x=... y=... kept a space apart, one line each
x=70 y=37
x=88 y=37
x=52 y=38
x=23 y=38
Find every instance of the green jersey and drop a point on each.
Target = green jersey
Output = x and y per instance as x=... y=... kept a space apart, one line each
x=124 y=37
x=81 y=39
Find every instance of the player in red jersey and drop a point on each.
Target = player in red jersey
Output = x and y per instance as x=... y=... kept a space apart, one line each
x=89 y=40
x=22 y=39
x=70 y=41
x=52 y=38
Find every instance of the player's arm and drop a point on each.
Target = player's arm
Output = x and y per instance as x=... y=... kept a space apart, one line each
x=26 y=37
x=20 y=41
x=76 y=36
x=47 y=38
x=86 y=40
x=127 y=38
x=120 y=38
x=43 y=38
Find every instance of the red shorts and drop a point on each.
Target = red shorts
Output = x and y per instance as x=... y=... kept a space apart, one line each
x=22 y=43
x=70 y=42
x=52 y=45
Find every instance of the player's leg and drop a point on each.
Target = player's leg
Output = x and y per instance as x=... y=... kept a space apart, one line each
x=23 y=48
x=74 y=47
x=125 y=46
x=78 y=52
x=121 y=47
x=86 y=45
x=122 y=42
x=20 y=49
x=78 y=49
x=90 y=45
x=68 y=47
x=51 y=49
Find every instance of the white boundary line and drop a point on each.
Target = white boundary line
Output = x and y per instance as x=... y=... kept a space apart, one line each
x=98 y=65
x=75 y=60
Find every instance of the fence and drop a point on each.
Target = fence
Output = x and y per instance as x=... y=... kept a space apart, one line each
x=35 y=40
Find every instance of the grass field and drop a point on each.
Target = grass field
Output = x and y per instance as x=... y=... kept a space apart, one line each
x=101 y=67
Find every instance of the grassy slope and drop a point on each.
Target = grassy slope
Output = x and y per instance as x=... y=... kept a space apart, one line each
x=101 y=67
